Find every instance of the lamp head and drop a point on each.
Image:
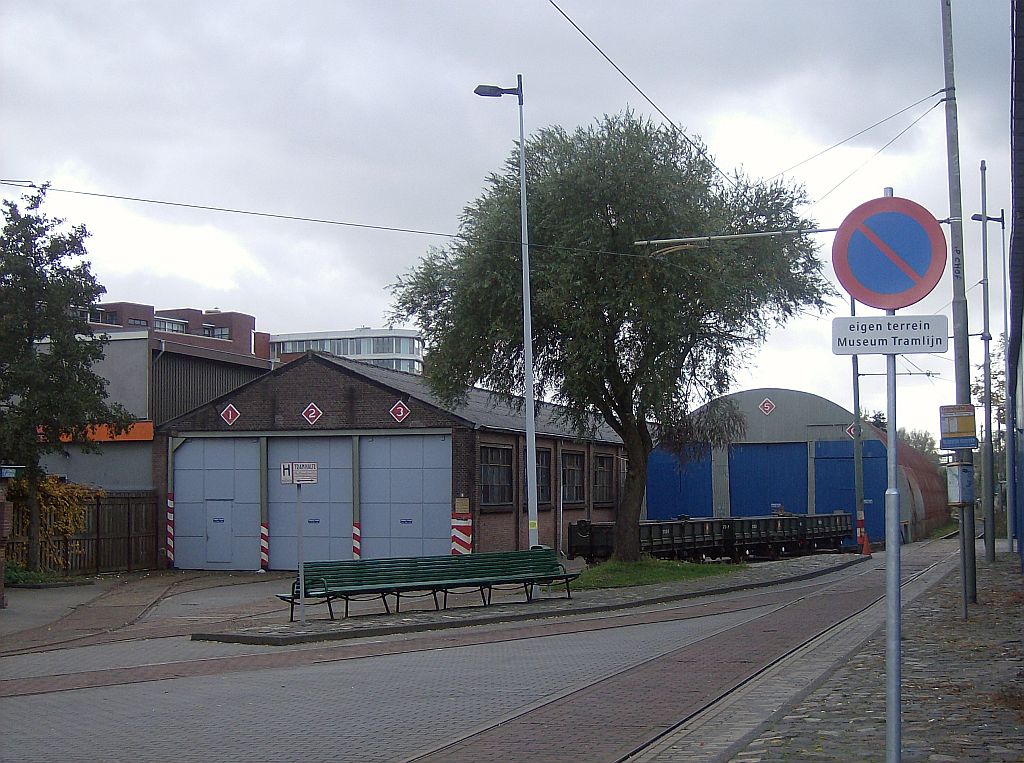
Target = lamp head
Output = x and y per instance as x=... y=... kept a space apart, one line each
x=490 y=91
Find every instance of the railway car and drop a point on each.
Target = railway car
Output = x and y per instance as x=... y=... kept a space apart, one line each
x=735 y=538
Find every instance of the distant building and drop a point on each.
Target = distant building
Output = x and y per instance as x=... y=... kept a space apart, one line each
x=159 y=364
x=397 y=349
x=229 y=332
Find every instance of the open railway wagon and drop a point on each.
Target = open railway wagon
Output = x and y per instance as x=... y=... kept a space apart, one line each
x=718 y=537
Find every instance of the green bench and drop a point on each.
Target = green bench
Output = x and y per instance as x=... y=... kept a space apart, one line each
x=356 y=580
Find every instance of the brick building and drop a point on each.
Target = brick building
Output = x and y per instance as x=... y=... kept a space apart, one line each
x=396 y=469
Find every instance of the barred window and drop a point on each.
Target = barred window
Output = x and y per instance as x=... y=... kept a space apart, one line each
x=604 y=479
x=495 y=475
x=572 y=477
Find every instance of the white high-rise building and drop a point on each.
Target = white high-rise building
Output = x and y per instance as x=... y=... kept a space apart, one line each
x=397 y=349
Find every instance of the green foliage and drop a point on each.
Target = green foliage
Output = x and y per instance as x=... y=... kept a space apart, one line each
x=924 y=441
x=47 y=387
x=621 y=334
x=63 y=506
x=48 y=390
x=15 y=574
x=617 y=574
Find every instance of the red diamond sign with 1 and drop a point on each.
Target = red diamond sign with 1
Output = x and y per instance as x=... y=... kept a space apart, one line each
x=312 y=414
x=399 y=411
x=230 y=414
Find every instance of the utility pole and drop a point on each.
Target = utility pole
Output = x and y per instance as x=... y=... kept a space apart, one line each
x=961 y=357
x=858 y=445
x=987 y=507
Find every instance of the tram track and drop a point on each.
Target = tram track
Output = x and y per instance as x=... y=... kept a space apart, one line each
x=529 y=720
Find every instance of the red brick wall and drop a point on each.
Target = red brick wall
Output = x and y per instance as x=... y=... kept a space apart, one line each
x=349 y=401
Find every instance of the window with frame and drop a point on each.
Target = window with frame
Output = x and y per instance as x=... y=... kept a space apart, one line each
x=572 y=478
x=495 y=475
x=604 y=479
x=543 y=476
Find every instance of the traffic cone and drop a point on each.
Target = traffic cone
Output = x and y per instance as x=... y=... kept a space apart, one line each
x=865 y=544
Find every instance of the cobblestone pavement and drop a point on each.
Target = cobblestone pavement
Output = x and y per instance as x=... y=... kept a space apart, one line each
x=962 y=692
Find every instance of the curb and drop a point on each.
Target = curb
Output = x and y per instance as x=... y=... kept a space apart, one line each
x=385 y=630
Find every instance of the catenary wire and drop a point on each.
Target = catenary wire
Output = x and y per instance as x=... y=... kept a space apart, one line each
x=573 y=251
x=856 y=135
x=696 y=146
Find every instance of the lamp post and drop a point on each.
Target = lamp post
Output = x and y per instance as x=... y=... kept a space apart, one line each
x=1009 y=406
x=493 y=91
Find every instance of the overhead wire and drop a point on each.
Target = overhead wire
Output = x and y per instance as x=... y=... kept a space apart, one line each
x=573 y=251
x=696 y=146
x=898 y=135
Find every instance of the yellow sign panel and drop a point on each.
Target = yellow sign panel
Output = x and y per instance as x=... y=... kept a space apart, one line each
x=533 y=524
x=957 y=421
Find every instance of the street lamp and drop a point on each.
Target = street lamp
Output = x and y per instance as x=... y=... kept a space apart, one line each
x=1009 y=405
x=493 y=91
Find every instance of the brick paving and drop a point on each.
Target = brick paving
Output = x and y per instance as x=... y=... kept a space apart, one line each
x=963 y=681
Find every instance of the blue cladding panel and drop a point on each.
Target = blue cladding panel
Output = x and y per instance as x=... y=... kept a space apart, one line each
x=764 y=474
x=833 y=481
x=672 y=491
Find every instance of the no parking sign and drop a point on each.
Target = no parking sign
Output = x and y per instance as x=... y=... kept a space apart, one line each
x=889 y=253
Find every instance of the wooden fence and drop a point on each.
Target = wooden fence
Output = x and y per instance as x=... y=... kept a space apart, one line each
x=120 y=536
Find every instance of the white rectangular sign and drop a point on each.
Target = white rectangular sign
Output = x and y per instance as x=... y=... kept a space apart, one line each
x=286 y=473
x=304 y=473
x=890 y=335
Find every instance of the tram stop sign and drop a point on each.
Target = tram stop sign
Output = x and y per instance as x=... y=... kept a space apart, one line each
x=889 y=253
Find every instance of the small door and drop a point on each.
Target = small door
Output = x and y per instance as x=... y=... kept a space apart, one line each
x=218 y=531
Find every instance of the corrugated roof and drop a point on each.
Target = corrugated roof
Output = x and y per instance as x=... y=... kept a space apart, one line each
x=483 y=408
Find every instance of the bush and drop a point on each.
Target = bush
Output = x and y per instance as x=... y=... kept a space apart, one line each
x=16 y=574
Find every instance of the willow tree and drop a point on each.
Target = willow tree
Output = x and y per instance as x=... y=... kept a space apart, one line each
x=625 y=334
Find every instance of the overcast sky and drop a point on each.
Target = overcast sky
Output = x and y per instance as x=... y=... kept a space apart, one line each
x=364 y=112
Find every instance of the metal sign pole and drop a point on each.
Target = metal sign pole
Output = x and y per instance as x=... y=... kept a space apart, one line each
x=298 y=538
x=892 y=573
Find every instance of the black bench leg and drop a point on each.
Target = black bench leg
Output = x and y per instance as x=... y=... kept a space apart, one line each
x=384 y=598
x=330 y=607
x=568 y=593
x=483 y=596
x=529 y=592
x=436 y=605
x=291 y=610
x=346 y=607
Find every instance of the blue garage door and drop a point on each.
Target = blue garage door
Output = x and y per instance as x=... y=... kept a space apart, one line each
x=674 y=489
x=764 y=475
x=833 y=481
x=405 y=485
x=326 y=506
x=217 y=504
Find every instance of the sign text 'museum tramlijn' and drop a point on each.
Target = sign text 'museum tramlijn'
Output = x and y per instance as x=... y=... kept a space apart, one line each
x=890 y=335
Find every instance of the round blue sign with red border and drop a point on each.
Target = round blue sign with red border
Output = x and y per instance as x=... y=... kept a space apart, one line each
x=889 y=253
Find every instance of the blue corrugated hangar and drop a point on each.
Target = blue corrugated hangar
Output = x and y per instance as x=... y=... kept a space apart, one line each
x=796 y=456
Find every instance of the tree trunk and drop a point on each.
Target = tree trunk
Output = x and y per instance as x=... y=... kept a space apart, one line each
x=32 y=501
x=627 y=521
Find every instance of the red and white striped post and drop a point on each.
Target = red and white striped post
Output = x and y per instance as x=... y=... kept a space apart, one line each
x=170 y=529
x=462 y=534
x=357 y=541
x=264 y=546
